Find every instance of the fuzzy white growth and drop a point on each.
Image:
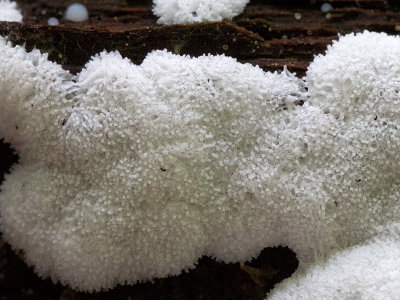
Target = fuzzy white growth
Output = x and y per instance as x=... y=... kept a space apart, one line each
x=9 y=11
x=28 y=104
x=149 y=167
x=194 y=11
x=134 y=164
x=367 y=271
x=76 y=12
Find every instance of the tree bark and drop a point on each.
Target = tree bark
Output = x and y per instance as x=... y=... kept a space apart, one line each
x=268 y=35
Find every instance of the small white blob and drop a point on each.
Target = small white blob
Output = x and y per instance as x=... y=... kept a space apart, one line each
x=53 y=21
x=326 y=7
x=76 y=12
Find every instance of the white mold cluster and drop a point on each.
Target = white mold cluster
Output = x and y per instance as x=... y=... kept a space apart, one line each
x=9 y=11
x=367 y=271
x=131 y=172
x=194 y=11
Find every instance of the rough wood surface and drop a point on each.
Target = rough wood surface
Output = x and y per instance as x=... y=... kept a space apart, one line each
x=270 y=34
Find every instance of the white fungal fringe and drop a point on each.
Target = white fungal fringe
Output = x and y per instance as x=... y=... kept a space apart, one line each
x=9 y=11
x=131 y=172
x=195 y=11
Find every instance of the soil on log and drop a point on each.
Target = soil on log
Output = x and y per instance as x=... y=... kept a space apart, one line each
x=271 y=34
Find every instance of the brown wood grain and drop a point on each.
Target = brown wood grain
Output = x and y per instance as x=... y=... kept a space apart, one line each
x=269 y=33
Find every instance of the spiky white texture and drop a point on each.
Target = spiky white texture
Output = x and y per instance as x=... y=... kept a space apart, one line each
x=9 y=11
x=367 y=271
x=194 y=11
x=126 y=174
x=358 y=82
x=160 y=163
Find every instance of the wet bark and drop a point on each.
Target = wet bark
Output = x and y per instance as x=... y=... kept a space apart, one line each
x=271 y=34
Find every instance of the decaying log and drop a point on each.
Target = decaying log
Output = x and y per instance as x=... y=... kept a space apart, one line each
x=270 y=35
